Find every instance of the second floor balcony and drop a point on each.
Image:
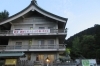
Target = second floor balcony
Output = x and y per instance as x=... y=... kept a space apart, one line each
x=34 y=32
x=60 y=47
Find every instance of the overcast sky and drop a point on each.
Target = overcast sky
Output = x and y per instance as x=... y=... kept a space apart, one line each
x=81 y=14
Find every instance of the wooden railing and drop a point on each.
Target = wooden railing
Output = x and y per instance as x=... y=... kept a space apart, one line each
x=25 y=63
x=33 y=63
x=31 y=47
x=52 y=32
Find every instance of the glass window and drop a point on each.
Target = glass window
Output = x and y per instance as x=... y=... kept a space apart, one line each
x=41 y=28
x=18 y=29
x=41 y=42
x=18 y=45
x=30 y=42
x=41 y=57
x=50 y=27
x=31 y=28
x=51 y=57
x=51 y=41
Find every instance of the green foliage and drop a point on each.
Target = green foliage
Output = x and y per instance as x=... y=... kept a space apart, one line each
x=98 y=54
x=88 y=45
x=83 y=47
x=68 y=51
x=85 y=43
x=4 y=14
x=76 y=46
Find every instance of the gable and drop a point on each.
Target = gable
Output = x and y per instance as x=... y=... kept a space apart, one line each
x=34 y=7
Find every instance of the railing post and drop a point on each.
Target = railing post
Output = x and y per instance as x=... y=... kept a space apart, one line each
x=28 y=47
x=14 y=46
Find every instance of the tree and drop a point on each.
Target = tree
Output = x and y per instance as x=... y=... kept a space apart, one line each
x=98 y=55
x=75 y=50
x=68 y=51
x=4 y=14
x=88 y=46
x=84 y=47
x=89 y=41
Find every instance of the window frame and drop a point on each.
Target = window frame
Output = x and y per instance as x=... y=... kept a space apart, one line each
x=18 y=46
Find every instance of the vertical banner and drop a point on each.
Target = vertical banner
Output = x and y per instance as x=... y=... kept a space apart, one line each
x=85 y=63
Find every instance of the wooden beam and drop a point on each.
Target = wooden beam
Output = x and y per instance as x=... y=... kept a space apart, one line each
x=22 y=17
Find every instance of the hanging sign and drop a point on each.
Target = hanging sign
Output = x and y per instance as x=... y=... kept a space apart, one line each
x=10 y=61
x=31 y=31
x=85 y=63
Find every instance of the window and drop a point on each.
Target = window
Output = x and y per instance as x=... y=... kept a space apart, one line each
x=18 y=45
x=50 y=27
x=31 y=28
x=41 y=28
x=41 y=57
x=51 y=41
x=41 y=43
x=30 y=42
x=18 y=29
x=51 y=57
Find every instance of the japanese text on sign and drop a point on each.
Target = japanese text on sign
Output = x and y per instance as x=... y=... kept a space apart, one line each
x=31 y=31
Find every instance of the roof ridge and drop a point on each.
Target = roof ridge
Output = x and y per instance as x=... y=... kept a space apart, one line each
x=33 y=2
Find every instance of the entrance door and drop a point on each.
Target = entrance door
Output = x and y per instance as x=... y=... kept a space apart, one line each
x=41 y=57
x=51 y=57
x=44 y=57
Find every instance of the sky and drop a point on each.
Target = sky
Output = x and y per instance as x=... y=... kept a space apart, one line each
x=81 y=14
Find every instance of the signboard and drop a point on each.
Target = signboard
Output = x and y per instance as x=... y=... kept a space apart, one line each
x=92 y=62
x=85 y=63
x=31 y=31
x=10 y=61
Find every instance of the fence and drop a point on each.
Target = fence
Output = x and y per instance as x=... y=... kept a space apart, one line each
x=38 y=63
x=11 y=32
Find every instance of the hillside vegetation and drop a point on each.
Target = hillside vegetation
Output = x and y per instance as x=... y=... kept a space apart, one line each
x=85 y=44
